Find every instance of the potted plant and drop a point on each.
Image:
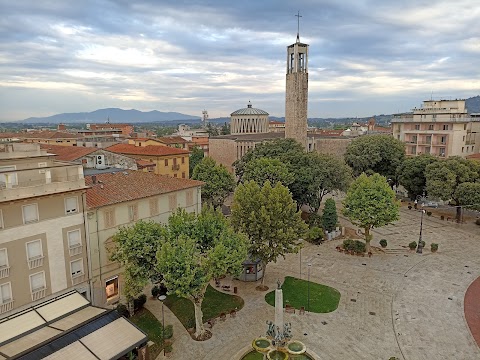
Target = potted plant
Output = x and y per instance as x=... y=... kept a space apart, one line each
x=422 y=243
x=412 y=245
x=429 y=213
x=383 y=243
x=434 y=247
x=168 y=349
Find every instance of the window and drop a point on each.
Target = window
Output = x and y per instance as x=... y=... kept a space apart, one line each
x=42 y=164
x=166 y=162
x=445 y=127
x=1 y=219
x=463 y=137
x=430 y=127
x=109 y=218
x=37 y=281
x=443 y=139
x=111 y=288
x=172 y=202
x=5 y=293
x=76 y=267
x=71 y=205
x=133 y=212
x=153 y=207
x=442 y=151
x=183 y=160
x=183 y=174
x=465 y=127
x=175 y=175
x=8 y=179
x=417 y=127
x=174 y=161
x=74 y=242
x=428 y=139
x=3 y=258
x=34 y=254
x=462 y=149
x=30 y=213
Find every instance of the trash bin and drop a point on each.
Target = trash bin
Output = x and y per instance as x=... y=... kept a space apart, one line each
x=234 y=289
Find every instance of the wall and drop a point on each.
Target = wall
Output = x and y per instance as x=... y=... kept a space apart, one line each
x=332 y=146
x=223 y=151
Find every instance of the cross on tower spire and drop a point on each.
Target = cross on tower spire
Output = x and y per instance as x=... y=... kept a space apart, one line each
x=298 y=25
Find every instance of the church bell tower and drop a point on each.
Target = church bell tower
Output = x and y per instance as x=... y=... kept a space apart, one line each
x=296 y=94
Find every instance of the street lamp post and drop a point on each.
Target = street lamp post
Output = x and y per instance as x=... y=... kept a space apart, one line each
x=308 y=288
x=420 y=243
x=300 y=241
x=162 y=298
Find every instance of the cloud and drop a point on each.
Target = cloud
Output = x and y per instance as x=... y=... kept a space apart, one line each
x=365 y=57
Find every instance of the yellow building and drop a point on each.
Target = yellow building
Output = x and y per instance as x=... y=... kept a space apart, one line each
x=169 y=161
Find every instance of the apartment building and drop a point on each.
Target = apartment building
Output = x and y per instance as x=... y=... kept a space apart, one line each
x=120 y=199
x=440 y=127
x=42 y=228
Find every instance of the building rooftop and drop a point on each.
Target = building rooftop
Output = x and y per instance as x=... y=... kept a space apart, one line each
x=249 y=110
x=170 y=140
x=48 y=134
x=113 y=188
x=151 y=150
x=68 y=153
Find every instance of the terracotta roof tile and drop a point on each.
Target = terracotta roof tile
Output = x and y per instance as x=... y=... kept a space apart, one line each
x=152 y=150
x=68 y=153
x=117 y=187
x=145 y=163
x=47 y=134
x=172 y=140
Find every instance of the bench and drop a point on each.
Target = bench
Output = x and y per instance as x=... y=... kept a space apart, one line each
x=289 y=309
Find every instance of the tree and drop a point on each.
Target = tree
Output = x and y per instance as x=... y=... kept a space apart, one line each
x=411 y=174
x=381 y=154
x=196 y=155
x=225 y=130
x=370 y=203
x=268 y=216
x=135 y=249
x=212 y=130
x=469 y=194
x=219 y=182
x=199 y=248
x=329 y=218
x=444 y=177
x=263 y=169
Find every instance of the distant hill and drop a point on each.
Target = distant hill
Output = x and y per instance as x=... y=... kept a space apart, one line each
x=473 y=104
x=115 y=115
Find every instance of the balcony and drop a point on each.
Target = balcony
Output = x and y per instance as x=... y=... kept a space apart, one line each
x=35 y=262
x=4 y=272
x=38 y=294
x=75 y=249
x=6 y=306
x=175 y=167
x=78 y=278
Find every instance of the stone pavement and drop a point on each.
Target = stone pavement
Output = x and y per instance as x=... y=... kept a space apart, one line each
x=398 y=304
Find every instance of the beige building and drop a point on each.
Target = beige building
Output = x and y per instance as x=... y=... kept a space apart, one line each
x=42 y=229
x=248 y=120
x=120 y=199
x=440 y=127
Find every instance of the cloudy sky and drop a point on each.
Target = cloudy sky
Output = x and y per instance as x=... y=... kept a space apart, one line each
x=366 y=56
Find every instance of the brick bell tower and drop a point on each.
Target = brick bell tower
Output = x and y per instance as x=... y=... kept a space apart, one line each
x=296 y=94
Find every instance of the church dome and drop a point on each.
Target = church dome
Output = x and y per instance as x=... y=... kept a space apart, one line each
x=249 y=110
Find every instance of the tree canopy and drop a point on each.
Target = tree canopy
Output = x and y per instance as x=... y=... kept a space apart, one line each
x=263 y=169
x=381 y=154
x=268 y=216
x=469 y=194
x=411 y=173
x=196 y=155
x=370 y=203
x=330 y=217
x=219 y=182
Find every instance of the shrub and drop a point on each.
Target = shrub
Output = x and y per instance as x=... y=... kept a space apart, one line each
x=155 y=291
x=355 y=245
x=383 y=243
x=168 y=331
x=329 y=218
x=168 y=347
x=315 y=235
x=190 y=323
x=422 y=243
x=314 y=220
x=434 y=247
x=123 y=310
x=412 y=245
x=139 y=302
x=429 y=213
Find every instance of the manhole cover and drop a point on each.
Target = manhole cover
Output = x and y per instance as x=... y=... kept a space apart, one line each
x=353 y=300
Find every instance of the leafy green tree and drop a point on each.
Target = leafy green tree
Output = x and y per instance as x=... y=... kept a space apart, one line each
x=444 y=177
x=263 y=169
x=225 y=130
x=381 y=154
x=219 y=182
x=196 y=155
x=469 y=194
x=370 y=203
x=211 y=129
x=268 y=216
x=198 y=249
x=411 y=174
x=330 y=217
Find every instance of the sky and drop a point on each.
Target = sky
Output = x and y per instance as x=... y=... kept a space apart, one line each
x=366 y=57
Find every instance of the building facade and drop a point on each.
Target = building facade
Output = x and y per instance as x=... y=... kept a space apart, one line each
x=42 y=227
x=248 y=121
x=120 y=199
x=440 y=127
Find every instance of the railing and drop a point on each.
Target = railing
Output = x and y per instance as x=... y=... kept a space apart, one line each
x=35 y=262
x=39 y=294
x=4 y=272
x=176 y=167
x=75 y=249
x=78 y=278
x=6 y=306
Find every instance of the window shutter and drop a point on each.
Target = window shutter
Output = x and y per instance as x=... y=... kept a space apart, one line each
x=77 y=267
x=3 y=258
x=34 y=249
x=73 y=238
x=6 y=293
x=71 y=205
x=30 y=213
x=37 y=281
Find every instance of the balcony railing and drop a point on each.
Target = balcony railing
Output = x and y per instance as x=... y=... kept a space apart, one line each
x=35 y=262
x=176 y=167
x=75 y=249
x=4 y=271
x=78 y=278
x=6 y=306
x=38 y=294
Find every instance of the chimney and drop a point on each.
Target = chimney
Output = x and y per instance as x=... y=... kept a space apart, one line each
x=94 y=179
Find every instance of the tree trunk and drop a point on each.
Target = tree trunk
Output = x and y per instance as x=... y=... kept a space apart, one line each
x=130 y=307
x=199 y=329
x=368 y=237
x=264 y=271
x=459 y=213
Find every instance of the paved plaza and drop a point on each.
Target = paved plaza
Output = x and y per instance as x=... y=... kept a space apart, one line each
x=394 y=304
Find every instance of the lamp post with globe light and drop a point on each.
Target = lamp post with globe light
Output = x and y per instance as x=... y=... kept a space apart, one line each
x=420 y=241
x=162 y=299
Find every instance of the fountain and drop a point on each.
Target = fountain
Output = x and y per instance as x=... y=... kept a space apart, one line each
x=278 y=343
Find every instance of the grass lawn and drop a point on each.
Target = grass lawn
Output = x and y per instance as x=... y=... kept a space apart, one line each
x=146 y=321
x=323 y=298
x=214 y=303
